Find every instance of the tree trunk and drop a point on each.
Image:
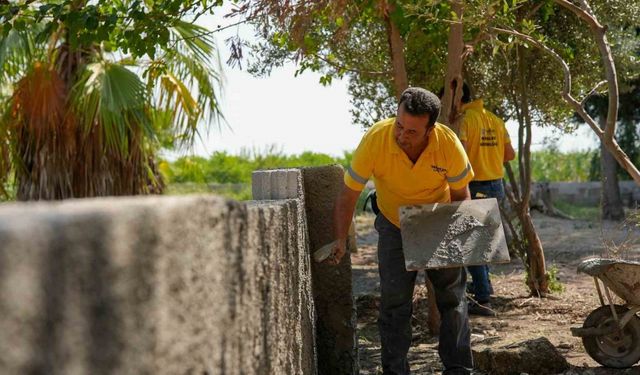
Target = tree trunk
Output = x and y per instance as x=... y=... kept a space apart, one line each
x=612 y=208
x=396 y=52
x=537 y=279
x=449 y=114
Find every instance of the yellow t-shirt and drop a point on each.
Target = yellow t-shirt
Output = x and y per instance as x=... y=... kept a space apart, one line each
x=399 y=182
x=486 y=136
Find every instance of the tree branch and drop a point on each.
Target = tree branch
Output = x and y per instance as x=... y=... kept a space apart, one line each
x=592 y=92
x=584 y=14
x=365 y=73
x=566 y=91
x=607 y=138
x=605 y=52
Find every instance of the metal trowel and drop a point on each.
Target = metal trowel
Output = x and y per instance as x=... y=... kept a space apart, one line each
x=324 y=252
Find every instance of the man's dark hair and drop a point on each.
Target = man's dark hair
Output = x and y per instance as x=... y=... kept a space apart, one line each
x=466 y=93
x=419 y=102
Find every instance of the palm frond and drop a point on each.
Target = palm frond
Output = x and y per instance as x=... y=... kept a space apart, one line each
x=196 y=39
x=174 y=93
x=19 y=49
x=113 y=98
x=193 y=65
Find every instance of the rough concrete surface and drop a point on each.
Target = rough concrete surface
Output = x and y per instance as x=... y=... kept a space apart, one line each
x=453 y=234
x=533 y=357
x=155 y=285
x=332 y=290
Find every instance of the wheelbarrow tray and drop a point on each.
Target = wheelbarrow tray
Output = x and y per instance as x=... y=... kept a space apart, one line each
x=621 y=276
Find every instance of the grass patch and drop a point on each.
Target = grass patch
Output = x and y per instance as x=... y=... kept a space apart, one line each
x=577 y=211
x=233 y=191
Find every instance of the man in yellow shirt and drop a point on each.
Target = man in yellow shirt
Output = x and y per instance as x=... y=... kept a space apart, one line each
x=412 y=160
x=486 y=140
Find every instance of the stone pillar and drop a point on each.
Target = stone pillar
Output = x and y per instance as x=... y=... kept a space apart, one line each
x=336 y=340
x=335 y=317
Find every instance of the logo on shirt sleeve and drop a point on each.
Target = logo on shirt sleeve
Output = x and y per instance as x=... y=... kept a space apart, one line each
x=437 y=169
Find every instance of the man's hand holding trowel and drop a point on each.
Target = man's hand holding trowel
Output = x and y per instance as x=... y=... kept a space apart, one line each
x=331 y=253
x=343 y=209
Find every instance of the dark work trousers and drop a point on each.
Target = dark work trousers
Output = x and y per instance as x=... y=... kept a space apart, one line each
x=394 y=322
x=480 y=274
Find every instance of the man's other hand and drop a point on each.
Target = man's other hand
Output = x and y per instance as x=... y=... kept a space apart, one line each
x=339 y=249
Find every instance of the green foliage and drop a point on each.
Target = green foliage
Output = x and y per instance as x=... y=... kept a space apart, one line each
x=230 y=175
x=134 y=27
x=223 y=168
x=555 y=285
x=8 y=192
x=553 y=165
x=90 y=90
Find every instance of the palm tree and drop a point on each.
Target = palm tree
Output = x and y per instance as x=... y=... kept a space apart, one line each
x=88 y=120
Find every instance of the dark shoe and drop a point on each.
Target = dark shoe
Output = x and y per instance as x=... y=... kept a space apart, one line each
x=470 y=288
x=481 y=309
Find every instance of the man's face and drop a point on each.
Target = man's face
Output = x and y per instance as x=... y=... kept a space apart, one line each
x=410 y=131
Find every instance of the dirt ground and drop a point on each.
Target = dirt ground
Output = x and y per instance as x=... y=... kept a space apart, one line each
x=519 y=317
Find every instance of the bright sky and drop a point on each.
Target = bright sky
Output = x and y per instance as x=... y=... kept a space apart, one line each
x=297 y=114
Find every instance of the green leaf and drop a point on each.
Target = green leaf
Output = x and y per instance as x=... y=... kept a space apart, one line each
x=115 y=97
x=91 y=23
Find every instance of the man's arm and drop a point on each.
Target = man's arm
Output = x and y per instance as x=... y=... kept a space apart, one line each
x=509 y=152
x=460 y=194
x=342 y=217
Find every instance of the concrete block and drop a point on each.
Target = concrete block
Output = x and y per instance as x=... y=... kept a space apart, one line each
x=276 y=184
x=454 y=234
x=260 y=185
x=332 y=288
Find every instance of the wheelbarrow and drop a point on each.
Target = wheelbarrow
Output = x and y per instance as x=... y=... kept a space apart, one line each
x=611 y=333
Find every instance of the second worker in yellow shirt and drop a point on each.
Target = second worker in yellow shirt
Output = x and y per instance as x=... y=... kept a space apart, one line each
x=486 y=140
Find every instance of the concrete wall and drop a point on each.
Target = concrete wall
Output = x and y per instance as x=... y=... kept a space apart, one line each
x=588 y=193
x=155 y=285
